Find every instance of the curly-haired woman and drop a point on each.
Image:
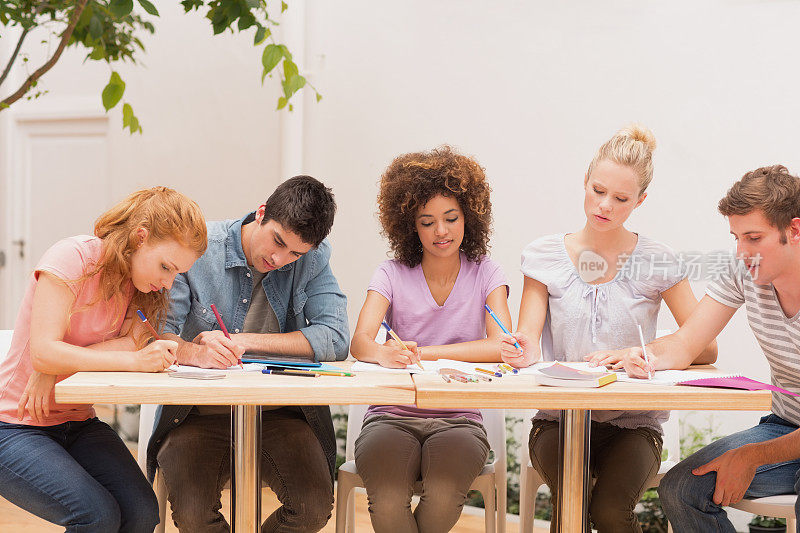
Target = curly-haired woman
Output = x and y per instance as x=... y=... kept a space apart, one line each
x=435 y=210
x=59 y=461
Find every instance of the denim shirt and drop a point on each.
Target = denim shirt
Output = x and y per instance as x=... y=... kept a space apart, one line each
x=304 y=295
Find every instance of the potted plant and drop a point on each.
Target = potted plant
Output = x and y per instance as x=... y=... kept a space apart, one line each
x=768 y=524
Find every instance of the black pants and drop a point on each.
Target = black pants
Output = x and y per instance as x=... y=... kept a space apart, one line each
x=195 y=462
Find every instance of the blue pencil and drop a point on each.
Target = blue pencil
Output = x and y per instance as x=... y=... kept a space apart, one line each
x=494 y=316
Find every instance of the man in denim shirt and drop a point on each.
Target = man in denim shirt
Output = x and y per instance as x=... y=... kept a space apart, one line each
x=268 y=274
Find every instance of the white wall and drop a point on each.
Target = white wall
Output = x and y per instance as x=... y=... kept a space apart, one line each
x=531 y=89
x=209 y=129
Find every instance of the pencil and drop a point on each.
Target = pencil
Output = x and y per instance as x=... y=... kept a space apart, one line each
x=644 y=351
x=494 y=316
x=395 y=337
x=223 y=328
x=301 y=373
x=148 y=324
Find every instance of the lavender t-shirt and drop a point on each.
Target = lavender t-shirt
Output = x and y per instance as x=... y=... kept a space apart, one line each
x=415 y=315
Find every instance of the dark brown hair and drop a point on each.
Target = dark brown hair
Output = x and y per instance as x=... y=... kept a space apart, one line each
x=302 y=205
x=411 y=180
x=772 y=190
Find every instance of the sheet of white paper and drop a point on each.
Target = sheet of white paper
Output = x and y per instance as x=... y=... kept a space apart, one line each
x=246 y=367
x=431 y=367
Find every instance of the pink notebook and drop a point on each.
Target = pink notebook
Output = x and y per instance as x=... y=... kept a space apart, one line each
x=735 y=382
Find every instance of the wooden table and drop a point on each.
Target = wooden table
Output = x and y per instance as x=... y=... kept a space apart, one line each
x=246 y=392
x=575 y=404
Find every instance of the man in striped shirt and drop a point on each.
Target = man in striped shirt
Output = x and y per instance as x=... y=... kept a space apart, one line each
x=763 y=210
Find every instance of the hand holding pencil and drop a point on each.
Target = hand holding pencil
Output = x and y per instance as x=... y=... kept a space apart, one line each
x=407 y=346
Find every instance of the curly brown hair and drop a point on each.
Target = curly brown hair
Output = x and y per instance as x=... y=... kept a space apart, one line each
x=411 y=180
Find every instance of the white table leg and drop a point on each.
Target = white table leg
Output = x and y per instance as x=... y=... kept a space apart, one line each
x=573 y=470
x=245 y=468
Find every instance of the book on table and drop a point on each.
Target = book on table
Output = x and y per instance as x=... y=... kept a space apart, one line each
x=558 y=375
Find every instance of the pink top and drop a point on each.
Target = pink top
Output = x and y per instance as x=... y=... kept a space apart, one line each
x=415 y=316
x=68 y=259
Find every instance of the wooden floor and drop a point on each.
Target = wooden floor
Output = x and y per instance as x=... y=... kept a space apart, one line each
x=14 y=519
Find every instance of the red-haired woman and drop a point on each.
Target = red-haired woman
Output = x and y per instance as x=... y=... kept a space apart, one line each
x=58 y=461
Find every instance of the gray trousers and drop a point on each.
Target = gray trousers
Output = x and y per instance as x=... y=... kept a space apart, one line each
x=195 y=462
x=622 y=461
x=393 y=453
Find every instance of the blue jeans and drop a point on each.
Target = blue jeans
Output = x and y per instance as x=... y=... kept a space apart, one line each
x=687 y=499
x=78 y=475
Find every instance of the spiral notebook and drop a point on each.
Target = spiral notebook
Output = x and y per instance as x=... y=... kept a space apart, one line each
x=735 y=382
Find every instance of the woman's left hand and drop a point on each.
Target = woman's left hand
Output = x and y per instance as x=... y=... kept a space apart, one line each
x=36 y=397
x=608 y=358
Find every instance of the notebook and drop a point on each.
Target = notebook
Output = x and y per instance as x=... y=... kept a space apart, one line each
x=279 y=360
x=559 y=375
x=735 y=382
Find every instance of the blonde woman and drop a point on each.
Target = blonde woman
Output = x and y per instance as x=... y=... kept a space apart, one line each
x=579 y=311
x=58 y=461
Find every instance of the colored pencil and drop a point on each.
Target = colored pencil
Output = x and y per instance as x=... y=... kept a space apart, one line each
x=224 y=329
x=395 y=337
x=494 y=316
x=148 y=324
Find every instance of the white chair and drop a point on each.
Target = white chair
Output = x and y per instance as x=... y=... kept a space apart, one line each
x=780 y=506
x=530 y=481
x=491 y=482
x=5 y=342
x=147 y=418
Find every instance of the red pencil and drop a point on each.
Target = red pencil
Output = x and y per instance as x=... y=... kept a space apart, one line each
x=223 y=328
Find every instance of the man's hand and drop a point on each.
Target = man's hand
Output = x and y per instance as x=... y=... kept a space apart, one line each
x=510 y=354
x=36 y=397
x=735 y=471
x=214 y=350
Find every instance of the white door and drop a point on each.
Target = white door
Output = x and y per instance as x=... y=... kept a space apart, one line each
x=58 y=181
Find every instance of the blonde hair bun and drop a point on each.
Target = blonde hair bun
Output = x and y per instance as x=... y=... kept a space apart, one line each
x=632 y=146
x=640 y=133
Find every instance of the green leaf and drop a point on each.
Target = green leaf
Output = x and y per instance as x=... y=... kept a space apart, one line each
x=289 y=69
x=284 y=6
x=261 y=34
x=113 y=91
x=98 y=53
x=319 y=97
x=149 y=7
x=285 y=51
x=95 y=28
x=129 y=120
x=282 y=102
x=252 y=4
x=271 y=57
x=294 y=84
x=246 y=20
x=121 y=8
x=127 y=115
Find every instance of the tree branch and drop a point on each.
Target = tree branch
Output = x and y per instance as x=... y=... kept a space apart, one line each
x=73 y=21
x=13 y=58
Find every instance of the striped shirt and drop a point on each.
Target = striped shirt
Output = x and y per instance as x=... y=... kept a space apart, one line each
x=778 y=336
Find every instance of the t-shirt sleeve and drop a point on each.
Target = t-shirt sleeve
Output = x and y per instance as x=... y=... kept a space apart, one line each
x=728 y=287
x=545 y=261
x=69 y=260
x=493 y=277
x=381 y=281
x=656 y=269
